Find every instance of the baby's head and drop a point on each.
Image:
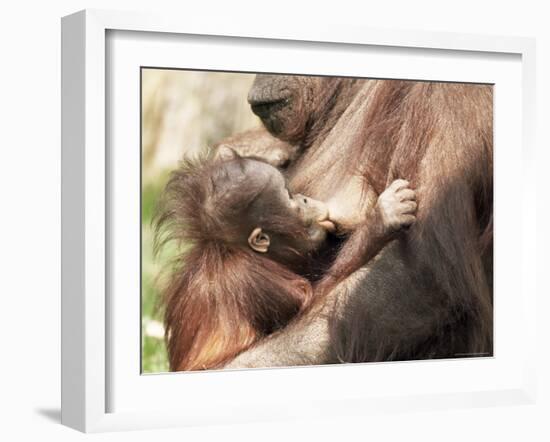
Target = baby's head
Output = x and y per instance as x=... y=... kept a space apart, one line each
x=245 y=203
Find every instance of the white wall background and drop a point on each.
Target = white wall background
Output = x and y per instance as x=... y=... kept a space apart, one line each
x=30 y=216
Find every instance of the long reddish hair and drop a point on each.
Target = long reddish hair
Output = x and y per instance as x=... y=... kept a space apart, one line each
x=222 y=300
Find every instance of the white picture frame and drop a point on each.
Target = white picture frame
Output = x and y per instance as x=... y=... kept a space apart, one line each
x=86 y=201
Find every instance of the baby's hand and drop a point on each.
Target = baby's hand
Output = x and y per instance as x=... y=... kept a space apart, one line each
x=397 y=206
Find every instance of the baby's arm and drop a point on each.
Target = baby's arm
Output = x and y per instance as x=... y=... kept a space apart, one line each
x=394 y=210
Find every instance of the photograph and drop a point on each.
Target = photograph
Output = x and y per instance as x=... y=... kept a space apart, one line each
x=297 y=220
x=291 y=221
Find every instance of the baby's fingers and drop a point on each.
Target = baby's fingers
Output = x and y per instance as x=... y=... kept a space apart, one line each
x=407 y=207
x=406 y=194
x=397 y=185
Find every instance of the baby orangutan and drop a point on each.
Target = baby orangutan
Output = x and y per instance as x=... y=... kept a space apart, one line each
x=246 y=243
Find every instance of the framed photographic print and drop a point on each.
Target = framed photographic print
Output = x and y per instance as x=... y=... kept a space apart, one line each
x=262 y=223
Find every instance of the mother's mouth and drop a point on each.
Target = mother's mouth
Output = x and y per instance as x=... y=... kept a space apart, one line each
x=265 y=108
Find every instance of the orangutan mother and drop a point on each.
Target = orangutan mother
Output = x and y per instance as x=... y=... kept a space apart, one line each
x=428 y=294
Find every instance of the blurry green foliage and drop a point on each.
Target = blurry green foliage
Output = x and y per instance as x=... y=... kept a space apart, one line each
x=153 y=357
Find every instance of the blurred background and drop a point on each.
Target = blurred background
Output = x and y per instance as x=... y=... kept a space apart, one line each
x=183 y=112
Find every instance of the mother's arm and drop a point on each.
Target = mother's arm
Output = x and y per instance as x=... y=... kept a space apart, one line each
x=379 y=312
x=305 y=341
x=308 y=341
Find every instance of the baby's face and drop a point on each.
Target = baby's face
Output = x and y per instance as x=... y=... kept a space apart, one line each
x=276 y=198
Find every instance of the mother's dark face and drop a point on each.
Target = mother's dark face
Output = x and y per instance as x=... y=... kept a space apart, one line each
x=286 y=103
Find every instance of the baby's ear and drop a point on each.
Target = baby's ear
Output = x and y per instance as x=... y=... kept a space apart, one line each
x=259 y=241
x=225 y=153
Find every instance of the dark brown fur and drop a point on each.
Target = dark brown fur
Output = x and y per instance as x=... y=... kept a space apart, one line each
x=427 y=294
x=438 y=136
